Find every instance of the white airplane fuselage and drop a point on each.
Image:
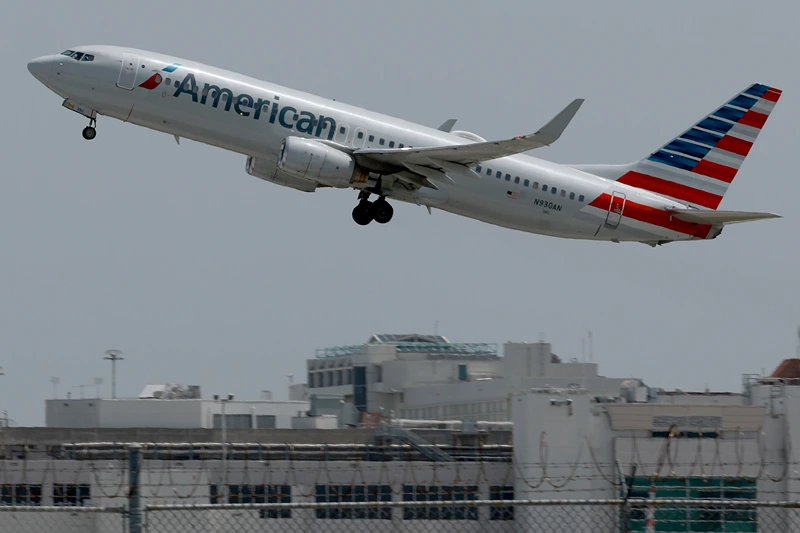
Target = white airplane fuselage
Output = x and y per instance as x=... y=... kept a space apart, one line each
x=193 y=101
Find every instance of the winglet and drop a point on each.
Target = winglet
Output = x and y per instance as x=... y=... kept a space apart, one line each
x=447 y=125
x=551 y=131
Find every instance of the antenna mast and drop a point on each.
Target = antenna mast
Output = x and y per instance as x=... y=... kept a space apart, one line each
x=113 y=356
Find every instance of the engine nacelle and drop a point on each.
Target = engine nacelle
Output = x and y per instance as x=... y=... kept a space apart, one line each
x=315 y=161
x=268 y=171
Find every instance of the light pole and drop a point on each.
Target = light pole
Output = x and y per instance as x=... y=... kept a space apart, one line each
x=54 y=380
x=222 y=402
x=113 y=356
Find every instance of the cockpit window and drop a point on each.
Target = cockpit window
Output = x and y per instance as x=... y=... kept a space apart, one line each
x=67 y=52
x=88 y=57
x=77 y=56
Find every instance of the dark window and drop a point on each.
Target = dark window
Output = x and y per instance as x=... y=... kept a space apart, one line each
x=478 y=169
x=400 y=145
x=360 y=134
x=563 y=193
x=526 y=182
x=341 y=130
x=265 y=422
x=553 y=190
x=544 y=188
x=572 y=196
x=535 y=184
x=444 y=493
x=501 y=512
x=508 y=177
x=22 y=494
x=371 y=138
x=354 y=493
x=462 y=372
x=499 y=174
x=71 y=494
x=391 y=144
x=381 y=142
x=580 y=198
x=488 y=171
x=516 y=180
x=77 y=56
x=257 y=494
x=88 y=57
x=360 y=387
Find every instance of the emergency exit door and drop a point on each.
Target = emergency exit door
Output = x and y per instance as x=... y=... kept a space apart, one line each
x=127 y=73
x=615 y=209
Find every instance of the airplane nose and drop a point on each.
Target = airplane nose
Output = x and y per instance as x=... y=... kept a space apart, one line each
x=40 y=68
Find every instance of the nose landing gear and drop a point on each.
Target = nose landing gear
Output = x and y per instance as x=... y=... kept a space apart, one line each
x=89 y=132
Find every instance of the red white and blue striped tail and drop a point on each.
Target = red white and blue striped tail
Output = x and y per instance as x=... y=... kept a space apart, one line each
x=698 y=166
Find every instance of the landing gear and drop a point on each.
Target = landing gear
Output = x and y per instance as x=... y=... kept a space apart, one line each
x=382 y=211
x=89 y=133
x=365 y=212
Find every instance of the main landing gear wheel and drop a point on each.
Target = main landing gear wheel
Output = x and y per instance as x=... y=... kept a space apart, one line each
x=382 y=211
x=89 y=133
x=363 y=213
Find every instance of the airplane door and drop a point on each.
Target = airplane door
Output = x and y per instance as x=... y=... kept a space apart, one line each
x=341 y=133
x=615 y=209
x=359 y=137
x=127 y=73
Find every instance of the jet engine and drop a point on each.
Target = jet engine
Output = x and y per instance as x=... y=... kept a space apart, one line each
x=268 y=171
x=315 y=161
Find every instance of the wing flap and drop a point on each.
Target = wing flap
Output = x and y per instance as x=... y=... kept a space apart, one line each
x=719 y=217
x=469 y=154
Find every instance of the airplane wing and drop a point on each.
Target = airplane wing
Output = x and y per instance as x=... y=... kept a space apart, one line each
x=719 y=217
x=468 y=154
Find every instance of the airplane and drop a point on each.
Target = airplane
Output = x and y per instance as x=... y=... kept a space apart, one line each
x=308 y=142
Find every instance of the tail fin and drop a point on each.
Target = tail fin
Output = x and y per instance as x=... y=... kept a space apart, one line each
x=698 y=166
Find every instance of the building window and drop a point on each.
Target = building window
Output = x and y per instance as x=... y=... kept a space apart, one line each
x=355 y=493
x=71 y=494
x=256 y=494
x=266 y=422
x=443 y=493
x=694 y=518
x=360 y=387
x=501 y=512
x=233 y=421
x=22 y=494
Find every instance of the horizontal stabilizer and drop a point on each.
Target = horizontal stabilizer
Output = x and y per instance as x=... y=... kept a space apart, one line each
x=719 y=217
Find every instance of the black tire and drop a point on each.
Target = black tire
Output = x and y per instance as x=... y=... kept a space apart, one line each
x=382 y=211
x=89 y=133
x=362 y=213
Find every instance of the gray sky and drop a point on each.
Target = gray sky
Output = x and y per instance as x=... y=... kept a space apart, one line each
x=203 y=274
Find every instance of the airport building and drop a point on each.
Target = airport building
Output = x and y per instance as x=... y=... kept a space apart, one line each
x=562 y=432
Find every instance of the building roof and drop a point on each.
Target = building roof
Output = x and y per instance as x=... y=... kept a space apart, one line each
x=788 y=369
x=415 y=343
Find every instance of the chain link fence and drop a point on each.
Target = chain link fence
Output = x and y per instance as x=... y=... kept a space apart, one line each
x=40 y=519
x=547 y=516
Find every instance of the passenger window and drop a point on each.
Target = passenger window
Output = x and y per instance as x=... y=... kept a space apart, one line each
x=488 y=171
x=535 y=184
x=478 y=169
x=499 y=174
x=341 y=130
x=580 y=198
x=544 y=188
x=563 y=193
x=371 y=138
x=400 y=145
x=360 y=134
x=516 y=180
x=508 y=177
x=381 y=142
x=572 y=196
x=526 y=182
x=391 y=144
x=169 y=82
x=553 y=190
x=177 y=84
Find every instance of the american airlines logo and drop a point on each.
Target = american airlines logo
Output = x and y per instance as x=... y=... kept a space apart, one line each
x=247 y=106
